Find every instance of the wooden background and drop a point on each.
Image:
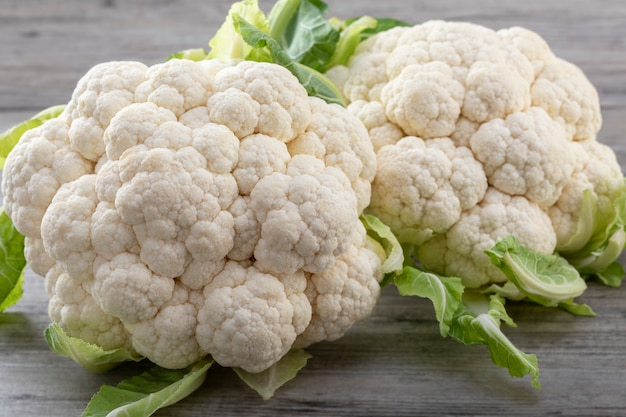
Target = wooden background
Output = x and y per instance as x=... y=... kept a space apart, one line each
x=395 y=363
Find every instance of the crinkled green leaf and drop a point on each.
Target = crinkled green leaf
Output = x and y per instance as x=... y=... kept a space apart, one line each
x=143 y=395
x=9 y=138
x=315 y=83
x=12 y=262
x=301 y=29
x=268 y=381
x=390 y=249
x=444 y=292
x=470 y=318
x=480 y=324
x=228 y=43
x=545 y=279
x=90 y=356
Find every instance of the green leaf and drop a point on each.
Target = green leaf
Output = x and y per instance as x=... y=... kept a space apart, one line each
x=315 y=83
x=279 y=18
x=143 y=395
x=197 y=54
x=612 y=275
x=576 y=309
x=354 y=31
x=303 y=32
x=268 y=381
x=606 y=242
x=480 y=324
x=469 y=317
x=545 y=279
x=12 y=262
x=9 y=138
x=90 y=356
x=382 y=24
x=584 y=226
x=507 y=290
x=349 y=38
x=227 y=43
x=381 y=235
x=444 y=292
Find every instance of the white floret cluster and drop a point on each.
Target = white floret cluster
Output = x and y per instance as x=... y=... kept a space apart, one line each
x=479 y=134
x=198 y=208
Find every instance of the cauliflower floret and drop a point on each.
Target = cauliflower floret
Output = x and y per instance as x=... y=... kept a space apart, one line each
x=529 y=44
x=307 y=215
x=169 y=338
x=600 y=174
x=38 y=166
x=424 y=186
x=456 y=44
x=460 y=252
x=126 y=288
x=72 y=307
x=424 y=100
x=99 y=95
x=282 y=107
x=259 y=156
x=178 y=85
x=340 y=140
x=247 y=320
x=187 y=216
x=564 y=91
x=372 y=113
x=494 y=90
x=338 y=303
x=132 y=125
x=37 y=257
x=71 y=246
x=525 y=154
x=369 y=72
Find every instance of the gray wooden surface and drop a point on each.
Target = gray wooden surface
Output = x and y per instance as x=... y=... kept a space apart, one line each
x=393 y=364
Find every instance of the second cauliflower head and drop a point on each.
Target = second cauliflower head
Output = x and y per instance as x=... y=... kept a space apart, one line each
x=198 y=208
x=479 y=134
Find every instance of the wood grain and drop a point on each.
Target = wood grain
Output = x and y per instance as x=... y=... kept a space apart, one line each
x=393 y=364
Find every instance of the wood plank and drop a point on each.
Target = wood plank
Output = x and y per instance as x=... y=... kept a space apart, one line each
x=394 y=363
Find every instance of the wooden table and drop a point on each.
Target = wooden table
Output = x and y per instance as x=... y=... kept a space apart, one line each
x=393 y=364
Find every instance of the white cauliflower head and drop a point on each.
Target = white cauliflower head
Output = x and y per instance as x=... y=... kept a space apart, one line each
x=459 y=114
x=198 y=208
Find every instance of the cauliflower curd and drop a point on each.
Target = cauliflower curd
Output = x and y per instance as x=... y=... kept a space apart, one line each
x=479 y=134
x=198 y=208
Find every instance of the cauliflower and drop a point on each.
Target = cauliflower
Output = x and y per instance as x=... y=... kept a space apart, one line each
x=198 y=208
x=481 y=134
